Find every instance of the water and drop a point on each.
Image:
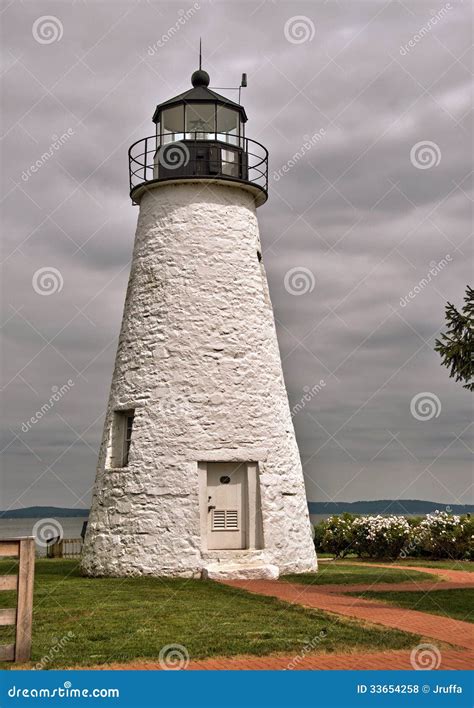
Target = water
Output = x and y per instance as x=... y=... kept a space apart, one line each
x=71 y=528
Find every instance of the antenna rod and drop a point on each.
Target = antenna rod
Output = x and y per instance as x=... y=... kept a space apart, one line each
x=200 y=54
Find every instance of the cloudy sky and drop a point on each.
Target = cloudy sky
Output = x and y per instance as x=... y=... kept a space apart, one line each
x=363 y=215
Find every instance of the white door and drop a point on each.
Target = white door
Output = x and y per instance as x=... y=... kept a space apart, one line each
x=226 y=505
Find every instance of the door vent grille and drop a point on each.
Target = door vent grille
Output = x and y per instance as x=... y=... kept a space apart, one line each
x=225 y=520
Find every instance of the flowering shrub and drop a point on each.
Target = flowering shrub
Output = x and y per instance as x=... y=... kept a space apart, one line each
x=438 y=535
x=445 y=535
x=380 y=536
x=336 y=536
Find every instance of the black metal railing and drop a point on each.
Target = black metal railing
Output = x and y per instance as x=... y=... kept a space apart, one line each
x=198 y=155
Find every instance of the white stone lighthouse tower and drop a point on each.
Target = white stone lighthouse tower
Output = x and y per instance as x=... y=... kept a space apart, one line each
x=199 y=472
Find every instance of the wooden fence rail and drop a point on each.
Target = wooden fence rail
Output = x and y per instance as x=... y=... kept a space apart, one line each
x=64 y=548
x=22 y=614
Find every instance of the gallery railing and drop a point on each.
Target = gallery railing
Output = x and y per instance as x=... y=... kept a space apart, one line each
x=198 y=155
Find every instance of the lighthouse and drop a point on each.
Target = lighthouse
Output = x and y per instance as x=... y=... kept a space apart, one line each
x=199 y=473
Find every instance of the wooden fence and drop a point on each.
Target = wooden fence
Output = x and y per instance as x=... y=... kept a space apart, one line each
x=22 y=614
x=64 y=548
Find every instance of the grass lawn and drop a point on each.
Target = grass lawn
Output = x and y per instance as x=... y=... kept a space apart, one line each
x=458 y=604
x=446 y=564
x=117 y=619
x=339 y=572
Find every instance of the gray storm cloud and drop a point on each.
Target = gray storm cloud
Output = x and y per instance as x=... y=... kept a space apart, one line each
x=353 y=209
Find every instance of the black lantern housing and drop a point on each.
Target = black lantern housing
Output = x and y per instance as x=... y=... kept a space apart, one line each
x=199 y=135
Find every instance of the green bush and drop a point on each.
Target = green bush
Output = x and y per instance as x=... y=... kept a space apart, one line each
x=380 y=536
x=447 y=536
x=318 y=533
x=335 y=535
x=438 y=535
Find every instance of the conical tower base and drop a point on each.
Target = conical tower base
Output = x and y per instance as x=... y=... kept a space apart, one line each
x=199 y=466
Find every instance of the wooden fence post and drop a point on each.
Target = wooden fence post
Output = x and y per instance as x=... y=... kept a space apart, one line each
x=22 y=615
x=24 y=608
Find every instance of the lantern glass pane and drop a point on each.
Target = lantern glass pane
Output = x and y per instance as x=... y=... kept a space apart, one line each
x=172 y=121
x=228 y=125
x=200 y=121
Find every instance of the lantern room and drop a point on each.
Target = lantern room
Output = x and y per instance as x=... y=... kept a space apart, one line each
x=200 y=135
x=200 y=114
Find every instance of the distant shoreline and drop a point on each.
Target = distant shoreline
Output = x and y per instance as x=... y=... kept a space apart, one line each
x=378 y=506
x=388 y=506
x=43 y=512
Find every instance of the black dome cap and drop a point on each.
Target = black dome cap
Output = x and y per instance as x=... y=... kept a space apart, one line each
x=200 y=78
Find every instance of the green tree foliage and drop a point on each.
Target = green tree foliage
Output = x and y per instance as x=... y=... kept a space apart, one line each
x=456 y=346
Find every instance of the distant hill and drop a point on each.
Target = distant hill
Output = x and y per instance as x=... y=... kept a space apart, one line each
x=42 y=512
x=387 y=506
x=378 y=506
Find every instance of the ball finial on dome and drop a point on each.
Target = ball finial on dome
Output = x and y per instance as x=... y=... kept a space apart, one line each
x=200 y=78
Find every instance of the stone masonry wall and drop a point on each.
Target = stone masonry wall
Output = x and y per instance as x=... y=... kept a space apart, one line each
x=198 y=359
